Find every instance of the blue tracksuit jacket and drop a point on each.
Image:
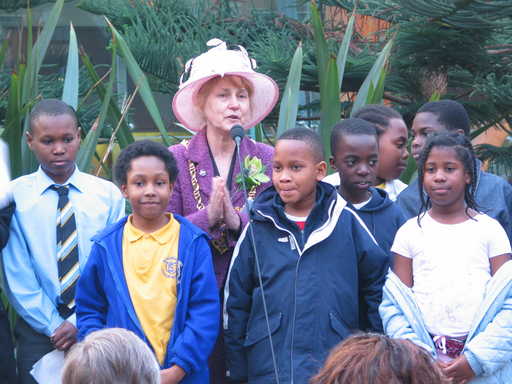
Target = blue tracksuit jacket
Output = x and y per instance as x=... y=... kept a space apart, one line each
x=488 y=347
x=103 y=299
x=320 y=284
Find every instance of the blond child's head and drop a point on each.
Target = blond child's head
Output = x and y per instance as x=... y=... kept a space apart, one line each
x=111 y=356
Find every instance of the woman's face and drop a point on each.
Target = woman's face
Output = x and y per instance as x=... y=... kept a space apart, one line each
x=227 y=104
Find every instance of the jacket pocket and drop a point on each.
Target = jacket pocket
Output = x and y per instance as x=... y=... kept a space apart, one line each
x=338 y=327
x=259 y=330
x=257 y=347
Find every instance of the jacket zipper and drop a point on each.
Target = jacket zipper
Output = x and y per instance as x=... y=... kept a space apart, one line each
x=293 y=318
x=299 y=251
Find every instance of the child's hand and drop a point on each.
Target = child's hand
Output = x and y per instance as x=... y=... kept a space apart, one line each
x=64 y=336
x=459 y=370
x=215 y=207
x=172 y=375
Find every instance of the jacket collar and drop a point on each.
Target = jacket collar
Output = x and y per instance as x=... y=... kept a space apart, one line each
x=163 y=235
x=321 y=221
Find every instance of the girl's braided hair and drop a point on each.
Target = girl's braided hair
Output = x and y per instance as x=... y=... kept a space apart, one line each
x=465 y=154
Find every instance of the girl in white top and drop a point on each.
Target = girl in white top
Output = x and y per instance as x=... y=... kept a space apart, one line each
x=449 y=253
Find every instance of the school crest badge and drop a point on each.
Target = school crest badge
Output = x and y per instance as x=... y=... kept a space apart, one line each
x=171 y=268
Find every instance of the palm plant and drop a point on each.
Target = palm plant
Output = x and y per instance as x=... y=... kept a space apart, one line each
x=456 y=49
x=26 y=86
x=163 y=34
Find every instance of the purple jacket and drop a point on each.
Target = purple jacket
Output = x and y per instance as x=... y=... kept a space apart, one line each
x=182 y=199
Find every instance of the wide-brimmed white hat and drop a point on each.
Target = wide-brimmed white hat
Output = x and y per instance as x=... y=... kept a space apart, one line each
x=221 y=61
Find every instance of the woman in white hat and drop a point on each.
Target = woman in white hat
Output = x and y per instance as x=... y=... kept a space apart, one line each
x=218 y=91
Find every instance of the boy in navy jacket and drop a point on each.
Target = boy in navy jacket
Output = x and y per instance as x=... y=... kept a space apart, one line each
x=355 y=155
x=321 y=271
x=152 y=273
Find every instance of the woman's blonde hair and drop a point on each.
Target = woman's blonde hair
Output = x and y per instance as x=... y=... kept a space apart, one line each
x=111 y=356
x=234 y=80
x=378 y=359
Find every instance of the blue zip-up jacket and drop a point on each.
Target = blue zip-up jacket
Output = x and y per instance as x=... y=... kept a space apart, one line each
x=103 y=299
x=316 y=284
x=493 y=196
x=488 y=347
x=382 y=217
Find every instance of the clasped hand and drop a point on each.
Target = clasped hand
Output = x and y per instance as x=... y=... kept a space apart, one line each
x=64 y=336
x=458 y=370
x=220 y=209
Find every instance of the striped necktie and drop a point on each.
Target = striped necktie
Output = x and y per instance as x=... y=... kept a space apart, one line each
x=67 y=251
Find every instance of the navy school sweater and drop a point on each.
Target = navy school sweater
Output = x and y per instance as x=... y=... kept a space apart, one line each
x=383 y=218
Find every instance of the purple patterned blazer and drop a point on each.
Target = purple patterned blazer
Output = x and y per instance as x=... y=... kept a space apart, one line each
x=183 y=201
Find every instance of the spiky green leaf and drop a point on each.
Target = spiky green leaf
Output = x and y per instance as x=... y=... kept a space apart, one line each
x=70 y=91
x=290 y=101
x=88 y=146
x=341 y=59
x=330 y=107
x=372 y=77
x=140 y=80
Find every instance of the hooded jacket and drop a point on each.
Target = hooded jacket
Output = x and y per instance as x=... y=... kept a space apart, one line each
x=488 y=347
x=493 y=196
x=319 y=285
x=103 y=299
x=382 y=217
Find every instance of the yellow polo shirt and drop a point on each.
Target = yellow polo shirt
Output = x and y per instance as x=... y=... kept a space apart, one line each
x=152 y=269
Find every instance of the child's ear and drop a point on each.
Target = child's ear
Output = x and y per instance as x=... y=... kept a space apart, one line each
x=124 y=191
x=30 y=139
x=467 y=178
x=331 y=162
x=321 y=170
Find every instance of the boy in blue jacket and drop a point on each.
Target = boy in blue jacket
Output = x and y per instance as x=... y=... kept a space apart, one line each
x=152 y=272
x=321 y=271
x=355 y=155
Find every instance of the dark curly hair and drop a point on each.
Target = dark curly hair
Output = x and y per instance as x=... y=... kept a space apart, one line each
x=378 y=359
x=51 y=107
x=308 y=136
x=144 y=148
x=378 y=114
x=352 y=126
x=450 y=113
x=465 y=154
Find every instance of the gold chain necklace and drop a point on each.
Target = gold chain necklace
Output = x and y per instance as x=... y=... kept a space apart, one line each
x=221 y=243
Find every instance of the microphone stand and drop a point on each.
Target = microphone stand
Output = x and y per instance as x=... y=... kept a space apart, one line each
x=248 y=205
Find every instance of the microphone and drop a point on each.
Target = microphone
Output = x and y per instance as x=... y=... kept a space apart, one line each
x=237 y=133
